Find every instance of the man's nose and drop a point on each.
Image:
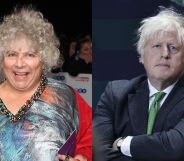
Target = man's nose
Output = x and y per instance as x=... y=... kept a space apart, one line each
x=165 y=52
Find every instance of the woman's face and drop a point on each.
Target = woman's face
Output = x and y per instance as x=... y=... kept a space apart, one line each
x=22 y=65
x=86 y=49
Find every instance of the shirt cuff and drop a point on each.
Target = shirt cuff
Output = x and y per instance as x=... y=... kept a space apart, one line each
x=125 y=146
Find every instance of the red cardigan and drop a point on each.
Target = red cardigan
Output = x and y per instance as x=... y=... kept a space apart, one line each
x=84 y=136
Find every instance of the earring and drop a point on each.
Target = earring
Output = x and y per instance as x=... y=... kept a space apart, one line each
x=44 y=71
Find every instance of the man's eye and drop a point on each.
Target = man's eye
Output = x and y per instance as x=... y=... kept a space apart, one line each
x=156 y=46
x=173 y=49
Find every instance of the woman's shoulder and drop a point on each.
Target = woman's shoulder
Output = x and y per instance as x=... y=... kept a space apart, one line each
x=61 y=89
x=57 y=84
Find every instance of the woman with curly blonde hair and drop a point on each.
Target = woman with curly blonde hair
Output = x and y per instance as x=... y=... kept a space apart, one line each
x=37 y=114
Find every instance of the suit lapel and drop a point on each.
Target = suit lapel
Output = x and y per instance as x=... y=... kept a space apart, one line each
x=138 y=103
x=173 y=98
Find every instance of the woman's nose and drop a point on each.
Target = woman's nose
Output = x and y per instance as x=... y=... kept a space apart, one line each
x=19 y=62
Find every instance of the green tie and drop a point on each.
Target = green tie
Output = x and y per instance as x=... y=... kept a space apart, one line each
x=153 y=111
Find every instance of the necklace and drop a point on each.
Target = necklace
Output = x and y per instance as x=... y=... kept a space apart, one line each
x=27 y=105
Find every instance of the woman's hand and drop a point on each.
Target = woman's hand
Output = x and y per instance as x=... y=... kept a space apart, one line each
x=78 y=157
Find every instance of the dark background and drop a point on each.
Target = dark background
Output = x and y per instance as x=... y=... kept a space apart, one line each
x=69 y=17
x=114 y=23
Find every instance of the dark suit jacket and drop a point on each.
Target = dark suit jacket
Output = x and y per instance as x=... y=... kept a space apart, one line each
x=123 y=111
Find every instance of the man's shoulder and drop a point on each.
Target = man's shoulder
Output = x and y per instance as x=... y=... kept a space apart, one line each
x=118 y=90
x=121 y=84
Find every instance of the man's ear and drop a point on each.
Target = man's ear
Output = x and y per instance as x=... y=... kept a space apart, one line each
x=141 y=59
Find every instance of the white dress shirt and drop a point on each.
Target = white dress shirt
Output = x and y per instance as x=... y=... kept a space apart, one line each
x=125 y=145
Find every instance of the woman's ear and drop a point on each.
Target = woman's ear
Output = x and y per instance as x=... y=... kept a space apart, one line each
x=2 y=65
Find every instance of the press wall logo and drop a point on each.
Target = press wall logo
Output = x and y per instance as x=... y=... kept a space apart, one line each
x=59 y=77
x=82 y=79
x=81 y=90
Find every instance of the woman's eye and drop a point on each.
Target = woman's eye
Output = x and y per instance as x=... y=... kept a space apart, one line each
x=11 y=54
x=30 y=55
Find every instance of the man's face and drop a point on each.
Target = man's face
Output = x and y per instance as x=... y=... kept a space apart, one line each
x=163 y=58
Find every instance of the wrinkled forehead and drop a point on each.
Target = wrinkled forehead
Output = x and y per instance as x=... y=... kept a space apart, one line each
x=170 y=36
x=21 y=42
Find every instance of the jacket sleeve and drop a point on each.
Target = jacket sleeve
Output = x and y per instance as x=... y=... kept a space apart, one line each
x=162 y=146
x=103 y=131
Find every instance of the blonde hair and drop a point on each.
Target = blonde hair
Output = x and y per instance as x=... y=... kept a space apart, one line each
x=32 y=24
x=167 y=20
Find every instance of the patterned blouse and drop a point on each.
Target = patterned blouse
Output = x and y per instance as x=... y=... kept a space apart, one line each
x=42 y=128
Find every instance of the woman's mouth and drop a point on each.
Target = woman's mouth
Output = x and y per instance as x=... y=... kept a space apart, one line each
x=20 y=75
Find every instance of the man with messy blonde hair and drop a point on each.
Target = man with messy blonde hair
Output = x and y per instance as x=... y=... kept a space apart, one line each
x=142 y=119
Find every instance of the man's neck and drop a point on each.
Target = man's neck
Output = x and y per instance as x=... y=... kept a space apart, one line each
x=160 y=85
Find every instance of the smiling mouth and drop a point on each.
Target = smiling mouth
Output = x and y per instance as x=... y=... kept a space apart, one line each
x=21 y=74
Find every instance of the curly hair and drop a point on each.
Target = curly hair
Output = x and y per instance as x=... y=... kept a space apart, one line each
x=31 y=23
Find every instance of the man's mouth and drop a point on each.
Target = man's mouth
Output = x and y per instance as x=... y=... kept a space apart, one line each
x=162 y=65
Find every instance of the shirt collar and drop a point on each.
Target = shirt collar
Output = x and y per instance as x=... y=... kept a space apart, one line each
x=153 y=90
